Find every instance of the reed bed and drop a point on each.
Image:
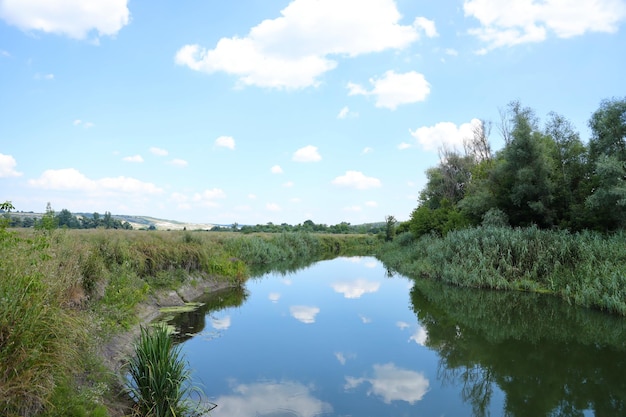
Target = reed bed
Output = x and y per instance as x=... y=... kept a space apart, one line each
x=586 y=268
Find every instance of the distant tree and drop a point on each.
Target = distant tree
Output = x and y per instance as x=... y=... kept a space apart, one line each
x=390 y=228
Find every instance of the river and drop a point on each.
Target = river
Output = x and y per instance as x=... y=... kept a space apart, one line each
x=345 y=337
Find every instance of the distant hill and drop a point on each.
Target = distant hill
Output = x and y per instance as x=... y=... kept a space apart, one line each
x=138 y=222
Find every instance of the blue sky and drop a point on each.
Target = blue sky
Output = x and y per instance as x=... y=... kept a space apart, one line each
x=257 y=111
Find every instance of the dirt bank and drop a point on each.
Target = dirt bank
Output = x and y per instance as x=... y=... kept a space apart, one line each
x=117 y=350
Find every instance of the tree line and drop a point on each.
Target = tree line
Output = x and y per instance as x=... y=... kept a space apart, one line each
x=545 y=176
x=65 y=219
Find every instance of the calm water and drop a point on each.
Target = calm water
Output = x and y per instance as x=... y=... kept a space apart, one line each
x=343 y=338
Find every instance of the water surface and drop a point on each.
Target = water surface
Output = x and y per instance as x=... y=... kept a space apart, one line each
x=344 y=338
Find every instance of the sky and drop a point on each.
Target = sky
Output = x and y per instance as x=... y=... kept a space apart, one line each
x=258 y=111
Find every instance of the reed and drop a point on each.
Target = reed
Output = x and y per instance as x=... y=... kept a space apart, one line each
x=585 y=268
x=160 y=382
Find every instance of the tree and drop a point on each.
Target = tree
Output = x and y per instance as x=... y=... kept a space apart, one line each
x=390 y=228
x=522 y=183
x=607 y=162
x=569 y=171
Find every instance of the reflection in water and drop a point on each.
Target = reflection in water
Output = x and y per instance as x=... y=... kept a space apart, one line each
x=393 y=384
x=549 y=358
x=356 y=288
x=189 y=324
x=274 y=297
x=284 y=399
x=305 y=314
x=343 y=357
x=220 y=324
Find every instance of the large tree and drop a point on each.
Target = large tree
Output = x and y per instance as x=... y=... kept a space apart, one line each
x=607 y=158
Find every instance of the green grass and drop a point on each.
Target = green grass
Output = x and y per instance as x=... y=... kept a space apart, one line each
x=65 y=292
x=587 y=268
x=159 y=378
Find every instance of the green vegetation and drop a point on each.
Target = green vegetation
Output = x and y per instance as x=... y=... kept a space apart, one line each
x=585 y=268
x=160 y=381
x=545 y=214
x=543 y=176
x=546 y=357
x=64 y=293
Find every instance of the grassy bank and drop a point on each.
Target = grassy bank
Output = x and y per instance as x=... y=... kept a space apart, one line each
x=587 y=269
x=64 y=293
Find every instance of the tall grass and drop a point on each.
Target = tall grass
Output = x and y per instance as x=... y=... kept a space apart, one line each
x=63 y=293
x=160 y=379
x=41 y=336
x=585 y=268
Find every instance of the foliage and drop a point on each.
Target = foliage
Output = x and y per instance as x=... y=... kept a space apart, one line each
x=160 y=377
x=545 y=177
x=586 y=268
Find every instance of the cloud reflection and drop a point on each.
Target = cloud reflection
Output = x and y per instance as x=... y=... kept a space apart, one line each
x=420 y=336
x=343 y=357
x=305 y=314
x=221 y=324
x=276 y=399
x=274 y=297
x=393 y=384
x=355 y=289
x=364 y=319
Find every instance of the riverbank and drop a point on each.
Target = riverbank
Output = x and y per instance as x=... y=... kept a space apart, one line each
x=118 y=349
x=76 y=298
x=586 y=268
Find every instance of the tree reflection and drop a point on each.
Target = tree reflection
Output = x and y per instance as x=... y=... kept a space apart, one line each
x=549 y=358
x=188 y=324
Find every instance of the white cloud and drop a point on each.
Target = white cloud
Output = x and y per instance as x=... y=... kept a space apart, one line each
x=274 y=297
x=84 y=124
x=252 y=196
x=158 y=151
x=451 y=52
x=272 y=207
x=294 y=50
x=4 y=53
x=521 y=21
x=402 y=325
x=345 y=112
x=207 y=197
x=44 y=76
x=404 y=146
x=427 y=26
x=288 y=184
x=73 y=18
x=446 y=134
x=420 y=336
x=134 y=158
x=367 y=149
x=72 y=180
x=178 y=162
x=371 y=204
x=393 y=383
x=305 y=314
x=356 y=179
x=393 y=90
x=364 y=319
x=353 y=209
x=221 y=324
x=225 y=142
x=7 y=166
x=356 y=288
x=271 y=398
x=276 y=169
x=307 y=154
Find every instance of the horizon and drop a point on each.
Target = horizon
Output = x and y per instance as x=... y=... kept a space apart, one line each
x=279 y=111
